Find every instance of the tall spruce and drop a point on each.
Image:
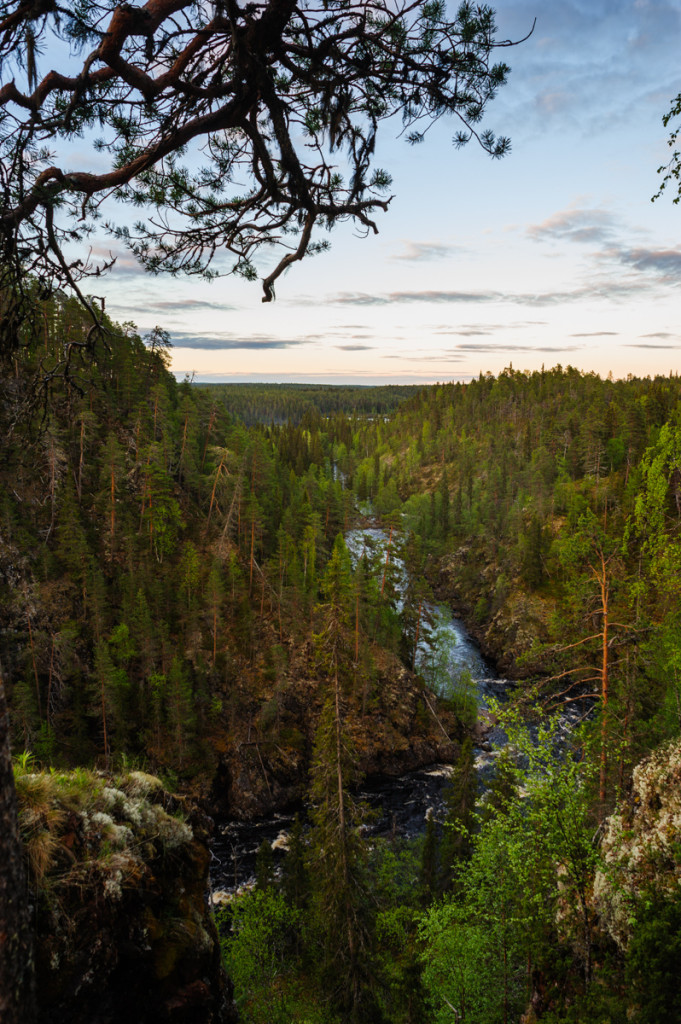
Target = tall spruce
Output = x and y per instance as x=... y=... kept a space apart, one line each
x=340 y=901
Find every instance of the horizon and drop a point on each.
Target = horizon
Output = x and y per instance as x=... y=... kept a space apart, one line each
x=207 y=380
x=553 y=252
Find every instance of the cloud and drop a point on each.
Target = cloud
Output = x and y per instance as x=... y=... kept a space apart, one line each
x=462 y=351
x=648 y=344
x=666 y=263
x=492 y=347
x=354 y=348
x=414 y=251
x=582 y=59
x=468 y=333
x=595 y=334
x=191 y=304
x=218 y=343
x=173 y=306
x=574 y=225
x=364 y=299
x=606 y=289
x=422 y=358
x=659 y=334
x=473 y=330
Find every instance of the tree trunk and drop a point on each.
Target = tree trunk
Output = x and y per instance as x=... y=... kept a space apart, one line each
x=17 y=982
x=387 y=560
x=416 y=638
x=603 y=775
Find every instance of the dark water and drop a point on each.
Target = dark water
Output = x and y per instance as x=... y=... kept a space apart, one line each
x=401 y=805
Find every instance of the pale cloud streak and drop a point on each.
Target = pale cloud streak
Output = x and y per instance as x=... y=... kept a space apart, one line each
x=417 y=251
x=575 y=225
x=173 y=306
x=503 y=347
x=648 y=344
x=217 y=343
x=606 y=289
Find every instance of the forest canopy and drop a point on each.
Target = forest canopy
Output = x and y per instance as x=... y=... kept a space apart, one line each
x=177 y=594
x=232 y=127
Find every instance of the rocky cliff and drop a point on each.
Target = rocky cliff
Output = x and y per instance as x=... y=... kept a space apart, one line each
x=118 y=876
x=505 y=619
x=642 y=843
x=395 y=725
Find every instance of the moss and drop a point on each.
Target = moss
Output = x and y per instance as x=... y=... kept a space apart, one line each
x=141 y=784
x=119 y=880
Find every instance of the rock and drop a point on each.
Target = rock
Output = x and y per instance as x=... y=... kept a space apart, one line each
x=641 y=842
x=119 y=874
x=394 y=729
x=502 y=616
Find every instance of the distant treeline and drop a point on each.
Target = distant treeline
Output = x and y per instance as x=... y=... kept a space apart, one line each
x=282 y=403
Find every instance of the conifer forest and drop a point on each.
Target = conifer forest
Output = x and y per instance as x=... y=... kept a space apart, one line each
x=423 y=642
x=181 y=614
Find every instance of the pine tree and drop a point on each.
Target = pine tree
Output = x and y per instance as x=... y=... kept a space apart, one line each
x=340 y=901
x=460 y=795
x=429 y=861
x=295 y=876
x=264 y=867
x=444 y=504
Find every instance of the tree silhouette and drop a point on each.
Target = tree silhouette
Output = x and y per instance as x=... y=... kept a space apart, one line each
x=234 y=126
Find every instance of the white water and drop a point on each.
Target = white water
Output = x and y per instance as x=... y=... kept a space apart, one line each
x=447 y=657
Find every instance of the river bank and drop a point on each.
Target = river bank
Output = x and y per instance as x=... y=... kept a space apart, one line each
x=503 y=617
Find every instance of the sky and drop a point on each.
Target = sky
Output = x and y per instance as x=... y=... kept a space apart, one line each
x=554 y=254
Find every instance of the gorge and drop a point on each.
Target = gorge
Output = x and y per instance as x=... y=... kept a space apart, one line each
x=179 y=602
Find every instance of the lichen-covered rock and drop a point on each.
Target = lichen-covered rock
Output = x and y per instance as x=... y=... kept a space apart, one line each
x=642 y=842
x=118 y=872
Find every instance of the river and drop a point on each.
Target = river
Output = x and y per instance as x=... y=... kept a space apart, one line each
x=401 y=804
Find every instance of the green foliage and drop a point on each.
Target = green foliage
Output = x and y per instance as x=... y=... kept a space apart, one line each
x=259 y=956
x=176 y=568
x=460 y=691
x=524 y=889
x=464 y=967
x=656 y=515
x=654 y=958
